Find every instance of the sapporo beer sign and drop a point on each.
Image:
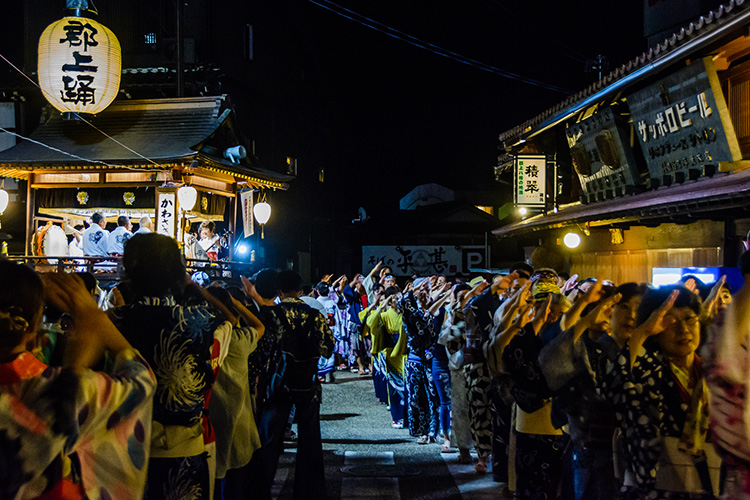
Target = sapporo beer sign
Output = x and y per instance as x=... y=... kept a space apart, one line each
x=79 y=65
x=682 y=122
x=530 y=181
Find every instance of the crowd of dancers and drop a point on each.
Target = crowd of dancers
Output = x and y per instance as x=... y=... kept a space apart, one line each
x=564 y=388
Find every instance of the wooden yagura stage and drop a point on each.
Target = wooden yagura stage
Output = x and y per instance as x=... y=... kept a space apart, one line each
x=116 y=163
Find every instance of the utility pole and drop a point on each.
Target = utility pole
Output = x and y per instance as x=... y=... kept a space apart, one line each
x=180 y=55
x=600 y=64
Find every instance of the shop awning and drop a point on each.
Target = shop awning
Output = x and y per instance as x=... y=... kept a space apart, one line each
x=704 y=197
x=150 y=134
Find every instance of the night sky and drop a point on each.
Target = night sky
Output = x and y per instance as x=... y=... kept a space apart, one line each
x=381 y=115
x=405 y=115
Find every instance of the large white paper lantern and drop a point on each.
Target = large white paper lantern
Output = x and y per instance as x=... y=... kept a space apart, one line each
x=186 y=197
x=79 y=65
x=4 y=198
x=262 y=212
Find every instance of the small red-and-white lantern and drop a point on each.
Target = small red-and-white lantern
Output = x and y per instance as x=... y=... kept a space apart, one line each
x=79 y=65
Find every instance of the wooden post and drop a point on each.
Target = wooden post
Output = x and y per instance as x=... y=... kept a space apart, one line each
x=232 y=222
x=30 y=213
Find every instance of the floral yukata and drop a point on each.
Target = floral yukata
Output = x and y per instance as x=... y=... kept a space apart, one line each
x=655 y=401
x=74 y=434
x=728 y=376
x=176 y=341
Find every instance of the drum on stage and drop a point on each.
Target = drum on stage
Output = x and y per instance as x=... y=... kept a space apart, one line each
x=51 y=241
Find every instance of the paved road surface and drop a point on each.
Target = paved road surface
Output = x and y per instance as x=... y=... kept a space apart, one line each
x=367 y=459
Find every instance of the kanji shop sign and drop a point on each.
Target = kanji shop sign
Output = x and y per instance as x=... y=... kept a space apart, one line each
x=601 y=153
x=530 y=181
x=79 y=65
x=166 y=212
x=682 y=122
x=425 y=260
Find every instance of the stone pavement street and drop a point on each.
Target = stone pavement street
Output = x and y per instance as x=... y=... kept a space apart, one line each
x=367 y=459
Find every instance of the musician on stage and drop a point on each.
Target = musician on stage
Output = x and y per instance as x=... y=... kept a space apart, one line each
x=95 y=237
x=209 y=241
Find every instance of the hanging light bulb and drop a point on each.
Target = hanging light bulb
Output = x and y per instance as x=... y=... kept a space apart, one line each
x=187 y=196
x=4 y=198
x=262 y=212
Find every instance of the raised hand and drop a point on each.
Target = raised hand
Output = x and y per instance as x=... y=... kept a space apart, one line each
x=540 y=318
x=654 y=325
x=505 y=283
x=709 y=306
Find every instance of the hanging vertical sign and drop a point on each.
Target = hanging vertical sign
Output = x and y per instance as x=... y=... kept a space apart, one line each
x=530 y=181
x=166 y=212
x=79 y=65
x=246 y=199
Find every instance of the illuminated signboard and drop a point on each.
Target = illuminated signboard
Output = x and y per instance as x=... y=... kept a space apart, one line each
x=530 y=181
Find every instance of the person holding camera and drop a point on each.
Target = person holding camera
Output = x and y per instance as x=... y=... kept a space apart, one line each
x=68 y=431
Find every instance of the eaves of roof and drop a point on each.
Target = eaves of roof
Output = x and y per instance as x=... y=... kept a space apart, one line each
x=720 y=193
x=140 y=131
x=707 y=30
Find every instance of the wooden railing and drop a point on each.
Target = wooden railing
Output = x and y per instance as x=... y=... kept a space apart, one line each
x=109 y=269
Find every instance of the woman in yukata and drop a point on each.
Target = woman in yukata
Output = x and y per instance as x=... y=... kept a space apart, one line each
x=389 y=344
x=539 y=442
x=69 y=432
x=662 y=402
x=422 y=397
x=209 y=241
x=575 y=364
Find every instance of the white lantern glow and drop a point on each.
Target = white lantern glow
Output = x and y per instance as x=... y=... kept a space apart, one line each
x=262 y=212
x=186 y=197
x=572 y=240
x=4 y=198
x=79 y=65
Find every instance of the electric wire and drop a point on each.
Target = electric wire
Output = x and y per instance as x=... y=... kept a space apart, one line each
x=417 y=42
x=81 y=118
x=54 y=148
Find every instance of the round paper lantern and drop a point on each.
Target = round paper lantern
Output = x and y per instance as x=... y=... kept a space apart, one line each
x=262 y=212
x=79 y=65
x=186 y=197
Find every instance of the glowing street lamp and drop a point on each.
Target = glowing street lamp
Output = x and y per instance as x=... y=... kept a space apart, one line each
x=572 y=240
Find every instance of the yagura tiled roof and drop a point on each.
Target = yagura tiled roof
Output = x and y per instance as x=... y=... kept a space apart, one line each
x=724 y=15
x=157 y=129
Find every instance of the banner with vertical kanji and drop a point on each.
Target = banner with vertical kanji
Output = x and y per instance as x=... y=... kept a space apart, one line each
x=166 y=212
x=246 y=200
